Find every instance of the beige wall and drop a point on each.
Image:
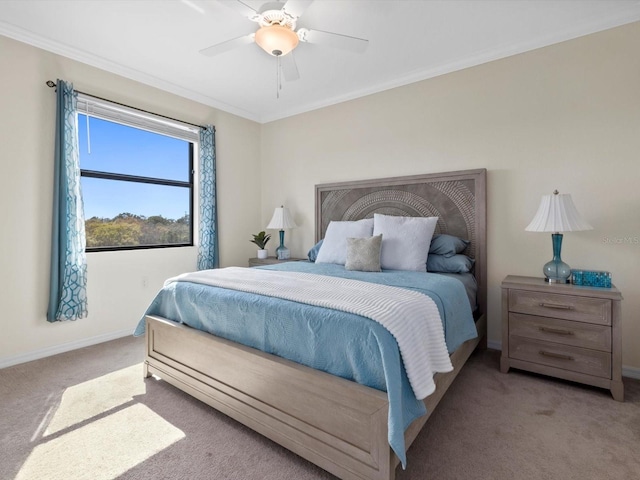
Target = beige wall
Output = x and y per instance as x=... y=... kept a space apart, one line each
x=565 y=117
x=117 y=294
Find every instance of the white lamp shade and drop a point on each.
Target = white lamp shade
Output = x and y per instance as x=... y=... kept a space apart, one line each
x=281 y=219
x=557 y=213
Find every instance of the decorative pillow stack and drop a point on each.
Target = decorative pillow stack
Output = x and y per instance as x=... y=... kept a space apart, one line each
x=392 y=243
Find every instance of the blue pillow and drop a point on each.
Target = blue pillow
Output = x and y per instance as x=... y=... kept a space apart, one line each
x=313 y=253
x=447 y=245
x=453 y=264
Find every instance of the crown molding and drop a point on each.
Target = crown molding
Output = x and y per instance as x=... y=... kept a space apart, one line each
x=629 y=15
x=87 y=58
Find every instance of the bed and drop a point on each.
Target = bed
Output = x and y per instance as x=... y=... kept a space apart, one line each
x=338 y=424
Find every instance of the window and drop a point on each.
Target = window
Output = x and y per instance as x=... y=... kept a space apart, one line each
x=137 y=177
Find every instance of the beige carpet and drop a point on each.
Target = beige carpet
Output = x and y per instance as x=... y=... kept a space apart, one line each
x=89 y=415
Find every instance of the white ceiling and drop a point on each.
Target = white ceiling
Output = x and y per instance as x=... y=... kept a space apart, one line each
x=157 y=42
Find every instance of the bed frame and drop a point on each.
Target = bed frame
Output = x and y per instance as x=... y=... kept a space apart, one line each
x=337 y=424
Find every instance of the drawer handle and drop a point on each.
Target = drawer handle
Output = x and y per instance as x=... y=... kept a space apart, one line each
x=555 y=355
x=556 y=306
x=559 y=331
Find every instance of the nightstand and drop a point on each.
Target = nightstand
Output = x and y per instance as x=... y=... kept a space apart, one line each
x=564 y=331
x=256 y=262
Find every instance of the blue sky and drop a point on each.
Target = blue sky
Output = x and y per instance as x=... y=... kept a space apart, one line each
x=122 y=149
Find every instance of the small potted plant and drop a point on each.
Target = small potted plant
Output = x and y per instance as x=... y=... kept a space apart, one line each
x=261 y=240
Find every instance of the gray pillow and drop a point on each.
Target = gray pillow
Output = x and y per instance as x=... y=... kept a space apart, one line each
x=363 y=254
x=447 y=245
x=454 y=264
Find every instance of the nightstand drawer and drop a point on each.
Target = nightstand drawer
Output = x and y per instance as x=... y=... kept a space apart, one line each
x=566 y=332
x=567 y=307
x=582 y=360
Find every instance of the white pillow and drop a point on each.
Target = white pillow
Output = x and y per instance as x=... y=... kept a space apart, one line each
x=405 y=241
x=334 y=246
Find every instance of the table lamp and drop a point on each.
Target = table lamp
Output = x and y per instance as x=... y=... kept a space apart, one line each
x=281 y=219
x=557 y=213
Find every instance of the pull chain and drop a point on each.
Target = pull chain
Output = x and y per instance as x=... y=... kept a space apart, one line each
x=278 y=80
x=88 y=132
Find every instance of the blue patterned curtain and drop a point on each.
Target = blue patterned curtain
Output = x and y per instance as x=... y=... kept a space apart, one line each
x=208 y=244
x=68 y=288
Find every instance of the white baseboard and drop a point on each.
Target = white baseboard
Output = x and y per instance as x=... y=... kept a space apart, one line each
x=630 y=372
x=65 y=347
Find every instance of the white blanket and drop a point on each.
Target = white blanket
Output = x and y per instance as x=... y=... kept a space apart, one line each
x=411 y=317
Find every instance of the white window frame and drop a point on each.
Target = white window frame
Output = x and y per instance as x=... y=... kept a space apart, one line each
x=132 y=117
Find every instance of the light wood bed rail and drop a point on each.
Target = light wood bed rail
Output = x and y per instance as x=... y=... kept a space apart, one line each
x=339 y=425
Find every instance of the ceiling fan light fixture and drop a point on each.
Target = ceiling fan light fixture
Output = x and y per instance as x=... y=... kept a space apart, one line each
x=276 y=40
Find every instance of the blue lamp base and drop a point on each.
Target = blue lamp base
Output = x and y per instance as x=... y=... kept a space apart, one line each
x=282 y=252
x=556 y=271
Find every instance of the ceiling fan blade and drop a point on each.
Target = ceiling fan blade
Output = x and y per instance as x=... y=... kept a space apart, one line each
x=289 y=67
x=296 y=8
x=240 y=7
x=344 y=42
x=228 y=45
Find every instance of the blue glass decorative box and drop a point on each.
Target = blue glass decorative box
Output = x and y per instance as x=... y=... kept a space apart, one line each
x=591 y=278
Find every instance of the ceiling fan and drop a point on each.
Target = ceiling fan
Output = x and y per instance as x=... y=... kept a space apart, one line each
x=277 y=34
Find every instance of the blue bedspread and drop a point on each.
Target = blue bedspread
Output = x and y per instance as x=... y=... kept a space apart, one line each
x=343 y=344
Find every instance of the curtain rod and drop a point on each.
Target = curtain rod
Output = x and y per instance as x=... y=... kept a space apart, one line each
x=52 y=84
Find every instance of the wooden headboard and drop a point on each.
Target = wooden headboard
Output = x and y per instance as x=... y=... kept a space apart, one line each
x=458 y=199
